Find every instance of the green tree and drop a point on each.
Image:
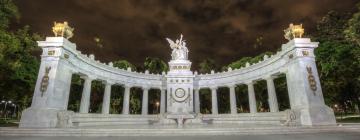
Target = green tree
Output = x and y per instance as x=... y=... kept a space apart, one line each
x=207 y=65
x=8 y=11
x=352 y=32
x=155 y=65
x=124 y=64
x=337 y=64
x=18 y=67
x=242 y=62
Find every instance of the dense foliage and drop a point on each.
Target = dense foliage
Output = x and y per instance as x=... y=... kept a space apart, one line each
x=18 y=67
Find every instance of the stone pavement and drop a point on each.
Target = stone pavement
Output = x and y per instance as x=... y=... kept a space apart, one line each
x=312 y=136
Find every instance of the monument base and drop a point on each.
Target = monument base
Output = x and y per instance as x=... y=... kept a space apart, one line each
x=180 y=118
x=41 y=118
x=316 y=115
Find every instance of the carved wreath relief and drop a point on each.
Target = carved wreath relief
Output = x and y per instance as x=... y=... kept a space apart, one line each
x=45 y=81
x=180 y=95
x=311 y=79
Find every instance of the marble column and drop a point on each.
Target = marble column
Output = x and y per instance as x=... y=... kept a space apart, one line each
x=232 y=99
x=85 y=98
x=145 y=99
x=273 y=103
x=197 y=100
x=162 y=101
x=214 y=104
x=106 y=99
x=252 y=100
x=126 y=101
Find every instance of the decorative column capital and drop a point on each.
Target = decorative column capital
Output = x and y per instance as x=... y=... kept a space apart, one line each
x=128 y=85
x=108 y=82
x=88 y=77
x=196 y=88
x=249 y=82
x=213 y=87
x=231 y=85
x=145 y=88
x=162 y=88
x=269 y=77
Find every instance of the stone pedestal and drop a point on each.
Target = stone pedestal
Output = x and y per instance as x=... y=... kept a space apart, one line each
x=180 y=87
x=52 y=85
x=305 y=93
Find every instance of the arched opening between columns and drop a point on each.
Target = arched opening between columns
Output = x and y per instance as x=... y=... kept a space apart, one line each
x=96 y=96
x=154 y=101
x=242 y=98
x=205 y=100
x=116 y=99
x=135 y=100
x=261 y=96
x=75 y=94
x=282 y=93
x=223 y=99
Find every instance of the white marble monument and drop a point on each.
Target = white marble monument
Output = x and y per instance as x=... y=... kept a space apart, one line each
x=179 y=87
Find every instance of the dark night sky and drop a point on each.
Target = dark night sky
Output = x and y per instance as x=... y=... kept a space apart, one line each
x=224 y=30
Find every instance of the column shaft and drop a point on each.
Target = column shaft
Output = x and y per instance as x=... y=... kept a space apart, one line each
x=162 y=101
x=145 y=99
x=106 y=99
x=273 y=104
x=232 y=99
x=252 y=100
x=85 y=98
x=214 y=104
x=126 y=102
x=197 y=100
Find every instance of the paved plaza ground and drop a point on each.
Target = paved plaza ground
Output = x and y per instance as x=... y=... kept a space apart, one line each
x=312 y=136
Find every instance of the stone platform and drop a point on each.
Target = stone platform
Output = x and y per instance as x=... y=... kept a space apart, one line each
x=268 y=118
x=172 y=130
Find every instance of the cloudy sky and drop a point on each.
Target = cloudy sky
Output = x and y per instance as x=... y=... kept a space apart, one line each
x=224 y=30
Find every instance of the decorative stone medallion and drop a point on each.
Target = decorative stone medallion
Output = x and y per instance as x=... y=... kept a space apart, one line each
x=180 y=95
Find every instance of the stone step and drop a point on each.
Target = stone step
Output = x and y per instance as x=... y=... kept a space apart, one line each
x=119 y=119
x=165 y=131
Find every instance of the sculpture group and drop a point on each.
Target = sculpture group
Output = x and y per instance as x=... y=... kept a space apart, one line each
x=179 y=49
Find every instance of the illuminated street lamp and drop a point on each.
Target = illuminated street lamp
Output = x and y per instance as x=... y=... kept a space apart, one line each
x=157 y=106
x=5 y=102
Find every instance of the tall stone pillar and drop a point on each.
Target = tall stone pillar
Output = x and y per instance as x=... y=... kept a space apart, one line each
x=305 y=93
x=106 y=99
x=126 y=102
x=214 y=103
x=162 y=100
x=273 y=103
x=85 y=98
x=252 y=100
x=232 y=99
x=197 y=100
x=145 y=99
x=51 y=92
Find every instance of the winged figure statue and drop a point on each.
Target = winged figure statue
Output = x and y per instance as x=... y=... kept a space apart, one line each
x=179 y=49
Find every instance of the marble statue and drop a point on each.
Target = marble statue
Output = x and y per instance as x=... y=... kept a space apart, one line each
x=179 y=49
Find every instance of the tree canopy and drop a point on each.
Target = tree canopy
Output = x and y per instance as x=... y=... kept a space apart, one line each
x=18 y=65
